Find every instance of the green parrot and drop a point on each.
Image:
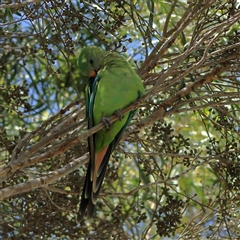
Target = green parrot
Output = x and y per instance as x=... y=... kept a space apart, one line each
x=111 y=86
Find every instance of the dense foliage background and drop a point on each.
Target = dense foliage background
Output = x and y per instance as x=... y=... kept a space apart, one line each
x=176 y=174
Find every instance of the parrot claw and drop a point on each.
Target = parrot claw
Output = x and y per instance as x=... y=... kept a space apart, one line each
x=105 y=122
x=119 y=114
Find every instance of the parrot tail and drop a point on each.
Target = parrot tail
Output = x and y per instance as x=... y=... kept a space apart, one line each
x=95 y=173
x=92 y=185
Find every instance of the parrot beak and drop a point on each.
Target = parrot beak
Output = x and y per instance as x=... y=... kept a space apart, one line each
x=92 y=73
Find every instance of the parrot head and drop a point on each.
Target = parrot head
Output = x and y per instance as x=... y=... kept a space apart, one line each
x=90 y=60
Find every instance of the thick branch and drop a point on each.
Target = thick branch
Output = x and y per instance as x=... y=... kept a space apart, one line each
x=169 y=102
x=42 y=181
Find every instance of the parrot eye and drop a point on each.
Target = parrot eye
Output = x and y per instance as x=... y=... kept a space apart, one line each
x=91 y=61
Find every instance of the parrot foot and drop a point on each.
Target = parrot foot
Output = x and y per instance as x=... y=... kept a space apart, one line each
x=105 y=122
x=119 y=114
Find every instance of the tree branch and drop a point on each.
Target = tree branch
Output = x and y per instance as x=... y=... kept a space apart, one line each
x=42 y=181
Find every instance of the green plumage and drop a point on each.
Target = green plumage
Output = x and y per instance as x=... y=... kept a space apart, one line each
x=112 y=85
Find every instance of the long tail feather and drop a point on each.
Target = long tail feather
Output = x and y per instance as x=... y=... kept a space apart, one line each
x=94 y=178
x=93 y=183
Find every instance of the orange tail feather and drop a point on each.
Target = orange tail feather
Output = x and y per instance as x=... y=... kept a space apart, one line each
x=98 y=160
